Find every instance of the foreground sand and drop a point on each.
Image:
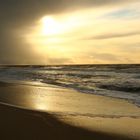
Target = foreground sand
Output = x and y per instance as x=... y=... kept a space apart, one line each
x=62 y=114
x=24 y=125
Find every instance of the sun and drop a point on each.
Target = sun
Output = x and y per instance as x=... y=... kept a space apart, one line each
x=50 y=26
x=51 y=31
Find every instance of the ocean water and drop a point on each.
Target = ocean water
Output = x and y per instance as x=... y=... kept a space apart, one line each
x=117 y=81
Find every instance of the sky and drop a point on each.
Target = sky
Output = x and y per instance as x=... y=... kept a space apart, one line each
x=69 y=32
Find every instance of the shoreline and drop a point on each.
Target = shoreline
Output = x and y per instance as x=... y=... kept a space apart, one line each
x=115 y=119
x=30 y=97
x=47 y=85
x=61 y=114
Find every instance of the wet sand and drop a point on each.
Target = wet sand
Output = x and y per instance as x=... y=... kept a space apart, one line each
x=59 y=114
x=24 y=125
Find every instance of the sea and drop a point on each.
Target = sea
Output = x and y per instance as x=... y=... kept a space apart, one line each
x=116 y=81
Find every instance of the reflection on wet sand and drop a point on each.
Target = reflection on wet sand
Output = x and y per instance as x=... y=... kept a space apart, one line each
x=56 y=99
x=24 y=96
x=91 y=112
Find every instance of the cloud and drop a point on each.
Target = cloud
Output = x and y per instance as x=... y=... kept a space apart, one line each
x=114 y=35
x=18 y=15
x=22 y=12
x=14 y=50
x=123 y=13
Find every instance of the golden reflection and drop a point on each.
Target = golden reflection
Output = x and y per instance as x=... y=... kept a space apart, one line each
x=40 y=100
x=56 y=99
x=27 y=97
x=40 y=106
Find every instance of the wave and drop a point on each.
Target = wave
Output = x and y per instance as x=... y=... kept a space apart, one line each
x=121 y=88
x=117 y=81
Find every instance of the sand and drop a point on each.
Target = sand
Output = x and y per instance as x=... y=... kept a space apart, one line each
x=33 y=112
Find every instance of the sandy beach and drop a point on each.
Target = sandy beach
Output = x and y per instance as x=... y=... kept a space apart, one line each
x=69 y=69
x=35 y=112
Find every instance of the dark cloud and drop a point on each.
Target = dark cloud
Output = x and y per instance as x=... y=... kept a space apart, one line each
x=113 y=35
x=25 y=11
x=18 y=14
x=15 y=50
